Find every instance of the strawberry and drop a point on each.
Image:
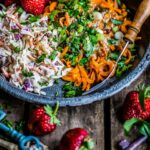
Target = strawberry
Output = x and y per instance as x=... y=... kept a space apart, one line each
x=9 y=2
x=35 y=7
x=137 y=104
x=43 y=120
x=76 y=139
x=47 y=1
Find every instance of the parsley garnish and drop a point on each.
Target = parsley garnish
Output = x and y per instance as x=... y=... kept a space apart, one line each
x=33 y=19
x=83 y=61
x=17 y=49
x=71 y=90
x=53 y=15
x=20 y=10
x=26 y=73
x=43 y=83
x=53 y=55
x=41 y=58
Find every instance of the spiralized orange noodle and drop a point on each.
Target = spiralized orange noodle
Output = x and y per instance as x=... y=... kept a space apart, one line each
x=110 y=23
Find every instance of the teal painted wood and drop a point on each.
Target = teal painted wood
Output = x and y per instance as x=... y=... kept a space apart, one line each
x=18 y=137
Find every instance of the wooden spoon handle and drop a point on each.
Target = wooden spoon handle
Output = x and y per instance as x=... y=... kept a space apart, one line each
x=143 y=12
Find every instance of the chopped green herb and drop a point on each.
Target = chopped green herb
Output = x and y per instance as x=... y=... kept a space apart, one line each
x=24 y=23
x=53 y=15
x=71 y=90
x=41 y=58
x=20 y=10
x=68 y=86
x=57 y=93
x=83 y=61
x=100 y=36
x=63 y=35
x=112 y=41
x=114 y=55
x=26 y=73
x=116 y=22
x=17 y=49
x=80 y=28
x=53 y=55
x=43 y=83
x=33 y=19
x=115 y=29
x=56 y=81
x=70 y=94
x=122 y=67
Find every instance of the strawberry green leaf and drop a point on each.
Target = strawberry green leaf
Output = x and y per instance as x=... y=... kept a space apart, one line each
x=128 y=125
x=53 y=114
x=144 y=128
x=56 y=121
x=48 y=110
x=89 y=144
x=83 y=148
x=147 y=92
x=142 y=98
x=144 y=92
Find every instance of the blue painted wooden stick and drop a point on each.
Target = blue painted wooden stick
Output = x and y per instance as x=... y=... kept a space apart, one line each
x=18 y=137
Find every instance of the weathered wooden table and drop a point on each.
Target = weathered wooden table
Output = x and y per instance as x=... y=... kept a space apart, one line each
x=100 y=118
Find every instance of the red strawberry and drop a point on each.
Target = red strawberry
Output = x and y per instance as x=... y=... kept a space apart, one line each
x=37 y=113
x=134 y=103
x=43 y=120
x=9 y=2
x=45 y=125
x=76 y=139
x=35 y=7
x=47 y=1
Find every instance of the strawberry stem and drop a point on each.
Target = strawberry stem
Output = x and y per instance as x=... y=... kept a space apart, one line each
x=88 y=144
x=56 y=108
x=144 y=92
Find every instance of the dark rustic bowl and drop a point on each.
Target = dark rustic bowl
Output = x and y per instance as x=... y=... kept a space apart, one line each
x=107 y=91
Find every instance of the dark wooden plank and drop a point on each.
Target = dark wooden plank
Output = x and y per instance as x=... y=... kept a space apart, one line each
x=116 y=104
x=89 y=117
x=12 y=106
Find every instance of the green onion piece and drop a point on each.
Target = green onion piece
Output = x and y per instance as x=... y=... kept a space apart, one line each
x=80 y=28
x=100 y=36
x=115 y=29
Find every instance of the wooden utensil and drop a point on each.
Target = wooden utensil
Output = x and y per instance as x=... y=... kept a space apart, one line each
x=143 y=12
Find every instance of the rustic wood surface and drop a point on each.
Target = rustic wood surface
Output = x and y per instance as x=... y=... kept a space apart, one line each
x=101 y=119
